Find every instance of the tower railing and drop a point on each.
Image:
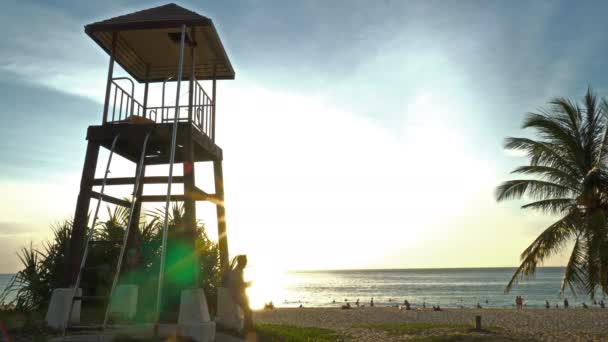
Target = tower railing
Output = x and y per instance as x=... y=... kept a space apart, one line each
x=123 y=106
x=123 y=102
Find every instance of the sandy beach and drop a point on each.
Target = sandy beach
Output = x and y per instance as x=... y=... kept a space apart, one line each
x=532 y=324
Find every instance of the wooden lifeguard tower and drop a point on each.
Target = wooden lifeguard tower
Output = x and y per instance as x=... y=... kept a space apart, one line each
x=157 y=45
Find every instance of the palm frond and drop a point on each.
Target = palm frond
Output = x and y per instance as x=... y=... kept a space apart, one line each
x=546 y=244
x=575 y=273
x=516 y=189
x=542 y=153
x=552 y=205
x=550 y=173
x=554 y=131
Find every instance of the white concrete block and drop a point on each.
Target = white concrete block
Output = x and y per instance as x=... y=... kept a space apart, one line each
x=57 y=312
x=229 y=314
x=124 y=301
x=193 y=307
x=200 y=332
x=194 y=320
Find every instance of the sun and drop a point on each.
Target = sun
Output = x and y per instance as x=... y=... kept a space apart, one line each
x=267 y=285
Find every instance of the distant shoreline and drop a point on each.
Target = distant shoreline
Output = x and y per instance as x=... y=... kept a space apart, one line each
x=418 y=269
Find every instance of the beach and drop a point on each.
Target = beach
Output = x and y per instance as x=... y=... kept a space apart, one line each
x=533 y=324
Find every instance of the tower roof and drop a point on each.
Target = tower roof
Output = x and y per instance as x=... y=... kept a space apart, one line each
x=147 y=44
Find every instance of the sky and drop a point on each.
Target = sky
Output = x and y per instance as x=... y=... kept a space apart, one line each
x=357 y=134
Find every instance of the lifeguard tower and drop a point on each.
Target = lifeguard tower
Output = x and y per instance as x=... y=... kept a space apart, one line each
x=158 y=45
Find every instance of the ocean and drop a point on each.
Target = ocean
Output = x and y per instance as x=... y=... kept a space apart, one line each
x=464 y=287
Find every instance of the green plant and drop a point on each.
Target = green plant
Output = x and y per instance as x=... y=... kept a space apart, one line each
x=568 y=159
x=43 y=269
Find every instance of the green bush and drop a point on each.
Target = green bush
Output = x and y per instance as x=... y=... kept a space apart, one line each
x=43 y=269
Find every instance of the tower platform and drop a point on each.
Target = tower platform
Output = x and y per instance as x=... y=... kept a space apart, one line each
x=158 y=151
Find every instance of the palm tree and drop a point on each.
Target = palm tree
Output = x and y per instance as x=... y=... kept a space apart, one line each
x=568 y=162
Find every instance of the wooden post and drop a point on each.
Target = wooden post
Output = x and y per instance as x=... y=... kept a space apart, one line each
x=81 y=214
x=146 y=93
x=106 y=104
x=192 y=76
x=134 y=239
x=221 y=215
x=189 y=233
x=214 y=100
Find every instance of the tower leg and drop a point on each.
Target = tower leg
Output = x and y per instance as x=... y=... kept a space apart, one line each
x=221 y=214
x=182 y=266
x=133 y=256
x=81 y=214
x=189 y=224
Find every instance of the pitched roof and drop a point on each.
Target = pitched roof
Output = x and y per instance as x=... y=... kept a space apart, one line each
x=169 y=15
x=145 y=44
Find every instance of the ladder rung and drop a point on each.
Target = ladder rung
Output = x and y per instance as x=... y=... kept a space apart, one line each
x=110 y=199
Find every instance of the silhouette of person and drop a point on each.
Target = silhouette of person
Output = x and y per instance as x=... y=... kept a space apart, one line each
x=547 y=304
x=565 y=303
x=371 y=303
x=238 y=285
x=357 y=302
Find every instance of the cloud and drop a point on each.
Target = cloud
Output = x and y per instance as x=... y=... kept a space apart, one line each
x=381 y=163
x=303 y=175
x=53 y=51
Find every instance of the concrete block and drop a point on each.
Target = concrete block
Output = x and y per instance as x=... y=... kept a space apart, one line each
x=229 y=314
x=193 y=307
x=57 y=312
x=124 y=301
x=194 y=320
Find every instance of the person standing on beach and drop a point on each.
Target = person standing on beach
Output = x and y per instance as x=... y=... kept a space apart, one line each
x=238 y=286
x=371 y=303
x=357 y=302
x=547 y=304
x=565 y=303
x=517 y=302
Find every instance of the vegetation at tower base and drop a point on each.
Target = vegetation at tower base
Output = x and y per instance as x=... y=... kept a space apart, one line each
x=43 y=267
x=569 y=159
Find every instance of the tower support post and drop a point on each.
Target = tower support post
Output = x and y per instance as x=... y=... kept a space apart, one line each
x=189 y=228
x=81 y=214
x=133 y=256
x=221 y=215
x=106 y=104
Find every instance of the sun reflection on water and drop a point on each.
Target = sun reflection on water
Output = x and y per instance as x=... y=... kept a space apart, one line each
x=267 y=285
